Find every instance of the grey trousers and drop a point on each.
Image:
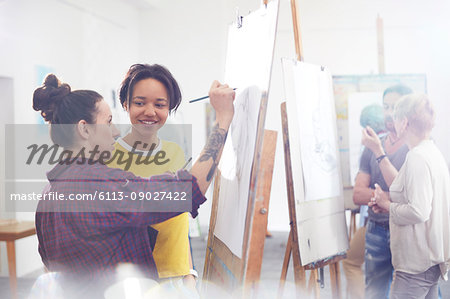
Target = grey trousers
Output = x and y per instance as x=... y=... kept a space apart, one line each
x=423 y=285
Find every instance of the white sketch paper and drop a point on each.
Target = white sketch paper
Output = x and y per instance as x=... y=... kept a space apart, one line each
x=235 y=167
x=248 y=68
x=316 y=125
x=322 y=231
x=250 y=49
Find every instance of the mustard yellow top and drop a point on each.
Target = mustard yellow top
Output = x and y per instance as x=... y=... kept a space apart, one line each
x=172 y=250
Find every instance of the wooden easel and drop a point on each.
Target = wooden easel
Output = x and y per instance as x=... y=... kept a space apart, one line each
x=292 y=246
x=221 y=265
x=241 y=275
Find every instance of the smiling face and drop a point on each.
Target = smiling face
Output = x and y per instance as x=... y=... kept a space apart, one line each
x=149 y=107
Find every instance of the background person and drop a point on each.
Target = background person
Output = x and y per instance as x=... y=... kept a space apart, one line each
x=372 y=116
x=377 y=255
x=420 y=208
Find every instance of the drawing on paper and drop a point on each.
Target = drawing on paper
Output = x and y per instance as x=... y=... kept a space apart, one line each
x=316 y=128
x=321 y=227
x=235 y=167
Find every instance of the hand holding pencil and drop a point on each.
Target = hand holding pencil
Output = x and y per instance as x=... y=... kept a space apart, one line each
x=221 y=98
x=202 y=98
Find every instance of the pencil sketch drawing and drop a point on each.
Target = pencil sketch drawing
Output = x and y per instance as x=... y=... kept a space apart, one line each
x=315 y=122
x=235 y=167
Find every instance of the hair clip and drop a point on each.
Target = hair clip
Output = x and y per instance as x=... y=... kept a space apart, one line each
x=238 y=18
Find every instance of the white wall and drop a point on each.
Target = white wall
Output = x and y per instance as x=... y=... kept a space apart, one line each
x=342 y=36
x=84 y=42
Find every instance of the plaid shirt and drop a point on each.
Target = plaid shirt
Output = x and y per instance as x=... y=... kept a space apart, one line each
x=92 y=244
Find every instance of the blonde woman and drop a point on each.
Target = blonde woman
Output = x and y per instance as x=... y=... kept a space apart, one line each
x=418 y=203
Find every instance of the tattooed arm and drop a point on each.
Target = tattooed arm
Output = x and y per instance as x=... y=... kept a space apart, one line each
x=221 y=98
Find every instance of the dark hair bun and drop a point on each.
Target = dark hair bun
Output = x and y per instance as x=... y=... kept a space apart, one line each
x=51 y=81
x=47 y=97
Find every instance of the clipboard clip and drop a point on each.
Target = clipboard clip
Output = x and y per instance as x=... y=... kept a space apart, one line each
x=322 y=68
x=239 y=18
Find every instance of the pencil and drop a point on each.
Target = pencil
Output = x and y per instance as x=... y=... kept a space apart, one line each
x=187 y=163
x=199 y=99
x=202 y=98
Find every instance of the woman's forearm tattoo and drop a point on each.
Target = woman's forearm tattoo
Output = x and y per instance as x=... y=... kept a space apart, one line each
x=212 y=149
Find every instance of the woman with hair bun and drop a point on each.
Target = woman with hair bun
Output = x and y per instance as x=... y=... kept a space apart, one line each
x=61 y=107
x=419 y=205
x=86 y=245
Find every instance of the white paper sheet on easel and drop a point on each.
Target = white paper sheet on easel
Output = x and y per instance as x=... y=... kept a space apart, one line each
x=248 y=68
x=319 y=202
x=235 y=167
x=250 y=49
x=313 y=109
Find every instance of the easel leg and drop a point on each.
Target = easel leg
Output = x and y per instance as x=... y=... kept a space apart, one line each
x=287 y=257
x=352 y=229
x=313 y=285
x=11 y=252
x=299 y=270
x=335 y=280
x=299 y=274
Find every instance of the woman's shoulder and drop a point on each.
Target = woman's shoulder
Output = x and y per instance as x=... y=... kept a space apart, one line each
x=170 y=144
x=425 y=149
x=423 y=155
x=171 y=147
x=175 y=153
